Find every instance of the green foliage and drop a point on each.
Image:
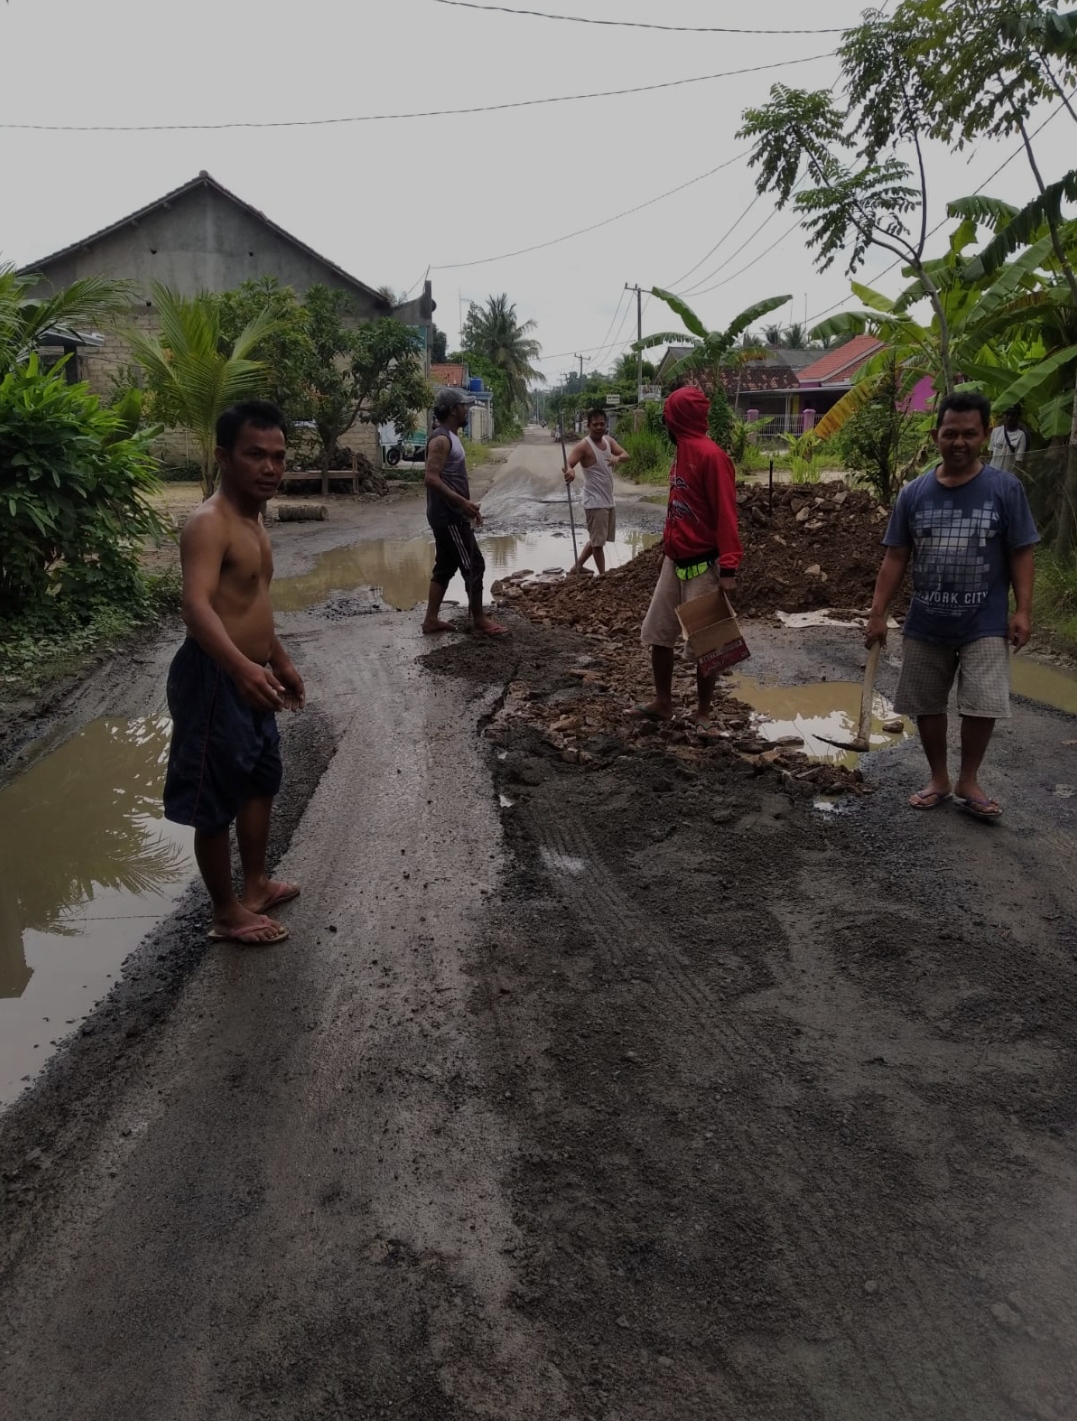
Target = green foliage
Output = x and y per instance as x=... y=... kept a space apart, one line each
x=283 y=350
x=880 y=442
x=26 y=314
x=193 y=373
x=1054 y=609
x=720 y=419
x=806 y=460
x=650 y=453
x=494 y=336
x=371 y=373
x=74 y=490
x=439 y=347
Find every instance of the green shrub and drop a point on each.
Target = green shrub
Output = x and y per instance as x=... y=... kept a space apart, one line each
x=720 y=422
x=73 y=494
x=650 y=454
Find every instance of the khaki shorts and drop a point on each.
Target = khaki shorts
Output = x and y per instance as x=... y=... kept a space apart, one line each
x=981 y=669
x=660 y=625
x=601 y=525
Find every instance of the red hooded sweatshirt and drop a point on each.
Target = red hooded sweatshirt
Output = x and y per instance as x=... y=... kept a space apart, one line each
x=701 y=522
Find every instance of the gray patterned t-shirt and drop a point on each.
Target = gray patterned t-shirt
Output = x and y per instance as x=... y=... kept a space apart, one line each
x=961 y=540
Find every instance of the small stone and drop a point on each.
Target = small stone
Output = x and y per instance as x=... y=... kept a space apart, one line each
x=839 y=498
x=666 y=1363
x=871 y=1287
x=722 y=816
x=894 y=726
x=1005 y=1316
x=814 y=571
x=803 y=515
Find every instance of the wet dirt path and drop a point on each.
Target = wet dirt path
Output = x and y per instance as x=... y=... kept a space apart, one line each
x=655 y=1096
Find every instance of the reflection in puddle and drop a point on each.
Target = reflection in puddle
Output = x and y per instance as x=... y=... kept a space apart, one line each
x=89 y=866
x=1049 y=685
x=398 y=570
x=830 y=708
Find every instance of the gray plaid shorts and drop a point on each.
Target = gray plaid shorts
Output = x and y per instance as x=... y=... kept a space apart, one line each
x=981 y=669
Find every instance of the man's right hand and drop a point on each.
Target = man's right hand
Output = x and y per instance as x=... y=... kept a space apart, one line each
x=258 y=686
x=570 y=476
x=876 y=629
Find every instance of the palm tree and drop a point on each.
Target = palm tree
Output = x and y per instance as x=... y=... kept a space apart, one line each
x=25 y=318
x=795 y=337
x=192 y=376
x=493 y=333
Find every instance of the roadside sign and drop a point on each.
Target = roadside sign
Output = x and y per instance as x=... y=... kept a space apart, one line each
x=612 y=401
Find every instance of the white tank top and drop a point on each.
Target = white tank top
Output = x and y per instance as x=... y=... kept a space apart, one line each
x=598 y=479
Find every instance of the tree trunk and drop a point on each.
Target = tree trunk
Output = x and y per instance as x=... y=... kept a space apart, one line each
x=326 y=459
x=1066 y=537
x=208 y=478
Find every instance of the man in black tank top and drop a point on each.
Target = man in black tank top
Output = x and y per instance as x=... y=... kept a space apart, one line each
x=453 y=517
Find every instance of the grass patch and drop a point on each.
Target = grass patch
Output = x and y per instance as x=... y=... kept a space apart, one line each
x=1054 y=608
x=477 y=454
x=46 y=644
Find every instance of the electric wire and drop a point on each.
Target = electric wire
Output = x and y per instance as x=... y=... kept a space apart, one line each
x=387 y=117
x=630 y=24
x=721 y=240
x=556 y=241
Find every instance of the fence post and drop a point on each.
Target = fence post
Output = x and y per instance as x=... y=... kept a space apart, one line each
x=771 y=505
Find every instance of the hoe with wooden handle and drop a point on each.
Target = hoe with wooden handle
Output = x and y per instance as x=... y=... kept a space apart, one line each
x=862 y=742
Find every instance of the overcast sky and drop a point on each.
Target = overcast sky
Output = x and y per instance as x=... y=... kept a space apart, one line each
x=388 y=199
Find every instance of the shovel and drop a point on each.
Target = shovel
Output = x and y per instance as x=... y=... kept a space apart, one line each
x=568 y=490
x=862 y=743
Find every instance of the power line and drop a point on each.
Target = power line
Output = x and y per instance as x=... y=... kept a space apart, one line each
x=695 y=288
x=724 y=238
x=749 y=265
x=606 y=339
x=630 y=24
x=387 y=117
x=555 y=241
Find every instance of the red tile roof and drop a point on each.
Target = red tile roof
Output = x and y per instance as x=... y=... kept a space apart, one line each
x=452 y=375
x=838 y=367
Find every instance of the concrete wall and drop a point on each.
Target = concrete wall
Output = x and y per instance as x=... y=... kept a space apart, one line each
x=201 y=242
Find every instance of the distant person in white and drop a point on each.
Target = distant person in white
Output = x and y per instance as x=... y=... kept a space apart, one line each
x=599 y=455
x=1009 y=441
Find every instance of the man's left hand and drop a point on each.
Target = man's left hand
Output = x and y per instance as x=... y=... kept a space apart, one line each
x=728 y=585
x=1020 y=630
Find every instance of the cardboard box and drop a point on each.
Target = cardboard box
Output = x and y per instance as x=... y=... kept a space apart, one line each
x=712 y=633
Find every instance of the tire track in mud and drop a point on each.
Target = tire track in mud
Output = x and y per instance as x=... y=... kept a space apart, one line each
x=597 y=899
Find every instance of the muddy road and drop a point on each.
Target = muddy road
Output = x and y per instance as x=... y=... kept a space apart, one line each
x=629 y=1094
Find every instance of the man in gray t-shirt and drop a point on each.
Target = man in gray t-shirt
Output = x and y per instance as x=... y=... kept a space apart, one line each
x=968 y=530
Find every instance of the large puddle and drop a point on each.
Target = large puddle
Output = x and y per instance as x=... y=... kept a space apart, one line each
x=825 y=708
x=89 y=865
x=1047 y=684
x=397 y=571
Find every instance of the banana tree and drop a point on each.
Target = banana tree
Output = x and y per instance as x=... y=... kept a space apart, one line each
x=711 y=351
x=190 y=373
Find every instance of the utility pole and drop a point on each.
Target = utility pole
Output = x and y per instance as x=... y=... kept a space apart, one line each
x=639 y=338
x=580 y=359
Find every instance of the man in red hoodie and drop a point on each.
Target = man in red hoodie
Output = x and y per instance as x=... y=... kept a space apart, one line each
x=702 y=545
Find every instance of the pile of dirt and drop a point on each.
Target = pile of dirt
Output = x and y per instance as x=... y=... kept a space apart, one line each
x=818 y=547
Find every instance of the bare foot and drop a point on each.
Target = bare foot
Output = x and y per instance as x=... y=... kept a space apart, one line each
x=432 y=628
x=485 y=627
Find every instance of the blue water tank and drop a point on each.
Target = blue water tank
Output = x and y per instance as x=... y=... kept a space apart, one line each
x=475 y=386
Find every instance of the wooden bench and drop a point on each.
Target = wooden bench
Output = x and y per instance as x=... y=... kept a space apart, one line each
x=299 y=476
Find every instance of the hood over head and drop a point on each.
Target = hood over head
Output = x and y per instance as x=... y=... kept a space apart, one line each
x=686 y=412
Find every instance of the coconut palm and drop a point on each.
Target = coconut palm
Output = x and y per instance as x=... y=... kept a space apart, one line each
x=28 y=316
x=191 y=374
x=494 y=333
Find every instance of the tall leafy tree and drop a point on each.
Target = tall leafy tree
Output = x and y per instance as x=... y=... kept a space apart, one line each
x=370 y=373
x=495 y=334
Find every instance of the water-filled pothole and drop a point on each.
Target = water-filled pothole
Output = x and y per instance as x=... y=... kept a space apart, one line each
x=398 y=570
x=823 y=708
x=90 y=865
x=1050 y=685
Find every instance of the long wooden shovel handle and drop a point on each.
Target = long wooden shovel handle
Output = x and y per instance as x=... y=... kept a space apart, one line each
x=867 y=698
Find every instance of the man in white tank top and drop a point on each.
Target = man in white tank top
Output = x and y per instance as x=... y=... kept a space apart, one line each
x=598 y=455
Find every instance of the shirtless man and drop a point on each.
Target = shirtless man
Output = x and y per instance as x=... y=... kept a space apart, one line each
x=599 y=456
x=229 y=678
